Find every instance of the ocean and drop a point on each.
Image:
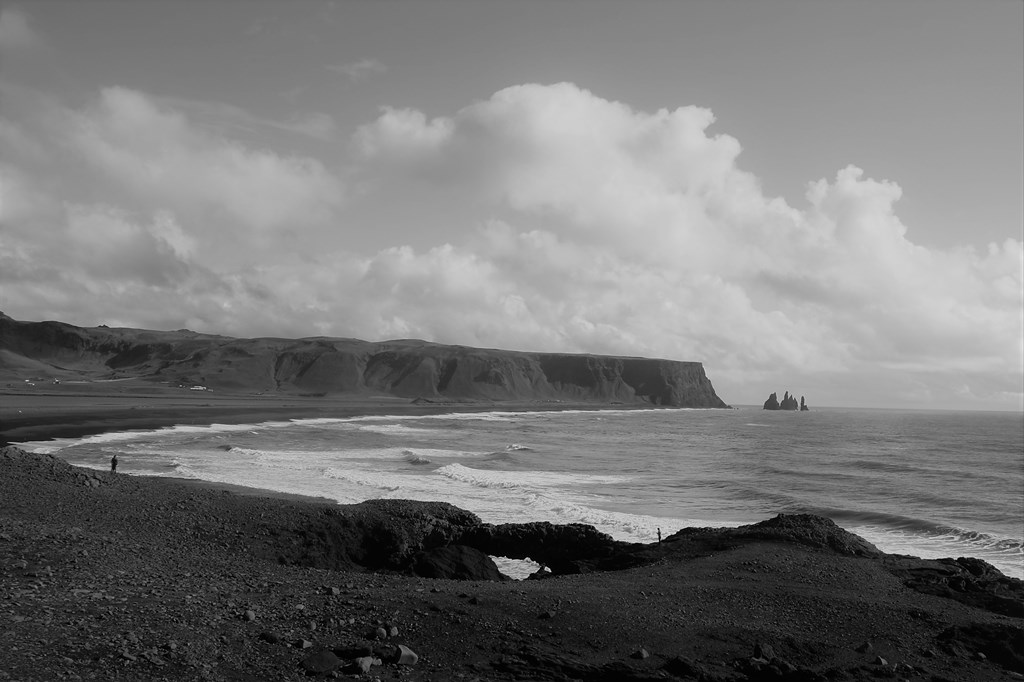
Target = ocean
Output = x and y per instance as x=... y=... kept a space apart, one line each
x=925 y=483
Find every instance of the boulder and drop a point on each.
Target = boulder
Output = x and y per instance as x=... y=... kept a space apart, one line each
x=407 y=656
x=321 y=662
x=455 y=562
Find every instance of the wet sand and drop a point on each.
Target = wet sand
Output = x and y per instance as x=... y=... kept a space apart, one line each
x=74 y=410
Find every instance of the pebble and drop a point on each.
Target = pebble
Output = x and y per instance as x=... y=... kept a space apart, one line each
x=364 y=663
x=250 y=615
x=407 y=656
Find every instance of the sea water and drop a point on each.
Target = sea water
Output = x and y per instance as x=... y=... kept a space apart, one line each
x=925 y=483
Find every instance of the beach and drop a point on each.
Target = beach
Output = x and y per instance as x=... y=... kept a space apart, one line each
x=108 y=576
x=84 y=408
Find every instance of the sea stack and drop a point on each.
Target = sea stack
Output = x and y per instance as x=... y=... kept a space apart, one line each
x=788 y=403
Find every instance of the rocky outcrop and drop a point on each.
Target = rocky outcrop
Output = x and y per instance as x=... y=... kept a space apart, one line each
x=314 y=366
x=566 y=548
x=788 y=403
x=966 y=580
x=455 y=562
x=1002 y=643
x=375 y=534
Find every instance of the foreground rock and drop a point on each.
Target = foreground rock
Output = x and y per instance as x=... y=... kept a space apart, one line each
x=152 y=579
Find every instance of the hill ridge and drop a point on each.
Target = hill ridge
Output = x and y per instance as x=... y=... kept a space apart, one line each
x=408 y=368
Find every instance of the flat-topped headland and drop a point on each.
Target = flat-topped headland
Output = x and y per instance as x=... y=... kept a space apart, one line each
x=117 y=577
x=52 y=353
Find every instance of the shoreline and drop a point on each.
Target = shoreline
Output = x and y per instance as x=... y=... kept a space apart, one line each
x=39 y=416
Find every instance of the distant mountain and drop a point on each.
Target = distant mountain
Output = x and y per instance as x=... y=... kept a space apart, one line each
x=321 y=365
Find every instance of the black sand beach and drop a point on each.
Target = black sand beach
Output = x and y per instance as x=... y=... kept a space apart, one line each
x=114 y=577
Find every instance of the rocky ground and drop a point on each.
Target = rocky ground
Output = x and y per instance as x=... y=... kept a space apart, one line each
x=111 y=577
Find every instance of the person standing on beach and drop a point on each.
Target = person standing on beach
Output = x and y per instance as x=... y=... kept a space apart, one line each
x=113 y=464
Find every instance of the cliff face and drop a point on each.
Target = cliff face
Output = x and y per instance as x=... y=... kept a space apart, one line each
x=407 y=368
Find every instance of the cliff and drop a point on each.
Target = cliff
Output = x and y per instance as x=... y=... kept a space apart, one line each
x=311 y=366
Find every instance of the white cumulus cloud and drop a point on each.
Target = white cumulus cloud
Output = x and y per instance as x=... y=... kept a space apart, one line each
x=544 y=217
x=157 y=153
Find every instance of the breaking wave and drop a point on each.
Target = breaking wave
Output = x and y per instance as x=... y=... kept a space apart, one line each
x=413 y=457
x=487 y=478
x=363 y=478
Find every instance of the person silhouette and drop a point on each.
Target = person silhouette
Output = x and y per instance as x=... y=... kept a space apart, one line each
x=113 y=464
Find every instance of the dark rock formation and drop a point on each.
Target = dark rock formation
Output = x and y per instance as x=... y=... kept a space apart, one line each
x=375 y=534
x=569 y=548
x=1001 y=643
x=966 y=580
x=788 y=402
x=807 y=529
x=316 y=366
x=455 y=562
x=803 y=405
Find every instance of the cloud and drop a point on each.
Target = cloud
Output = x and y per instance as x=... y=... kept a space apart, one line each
x=635 y=232
x=541 y=218
x=15 y=29
x=156 y=153
x=184 y=211
x=359 y=70
x=227 y=119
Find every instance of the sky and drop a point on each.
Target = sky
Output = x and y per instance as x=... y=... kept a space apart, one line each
x=819 y=197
